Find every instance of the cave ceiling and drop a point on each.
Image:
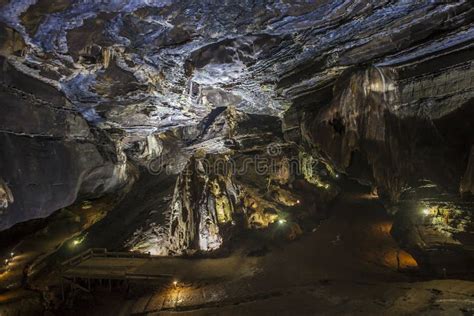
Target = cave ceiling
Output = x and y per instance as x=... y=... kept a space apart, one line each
x=147 y=66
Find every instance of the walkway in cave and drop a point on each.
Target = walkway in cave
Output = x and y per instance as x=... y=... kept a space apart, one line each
x=354 y=242
x=320 y=272
x=51 y=233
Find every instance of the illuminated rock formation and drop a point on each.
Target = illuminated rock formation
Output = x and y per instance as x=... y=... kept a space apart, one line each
x=97 y=94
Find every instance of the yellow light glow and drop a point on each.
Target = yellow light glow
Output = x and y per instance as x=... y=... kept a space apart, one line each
x=76 y=242
x=298 y=202
x=281 y=221
x=12 y=254
x=175 y=283
x=426 y=211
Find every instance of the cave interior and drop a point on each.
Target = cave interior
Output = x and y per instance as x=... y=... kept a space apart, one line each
x=228 y=157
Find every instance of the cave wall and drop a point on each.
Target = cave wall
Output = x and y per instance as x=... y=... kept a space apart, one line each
x=403 y=128
x=467 y=183
x=49 y=154
x=406 y=129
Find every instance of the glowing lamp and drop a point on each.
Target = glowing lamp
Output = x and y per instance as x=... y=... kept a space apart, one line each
x=175 y=283
x=76 y=242
x=426 y=211
x=281 y=221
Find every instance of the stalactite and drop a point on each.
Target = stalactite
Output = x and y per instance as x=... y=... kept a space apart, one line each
x=106 y=57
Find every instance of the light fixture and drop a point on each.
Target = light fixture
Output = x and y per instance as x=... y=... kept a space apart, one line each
x=426 y=211
x=281 y=221
x=298 y=202
x=12 y=254
x=175 y=283
x=76 y=242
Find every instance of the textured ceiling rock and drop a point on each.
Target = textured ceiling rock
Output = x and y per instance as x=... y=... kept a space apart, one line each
x=11 y=41
x=163 y=55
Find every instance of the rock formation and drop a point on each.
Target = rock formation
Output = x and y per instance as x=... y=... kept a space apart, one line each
x=378 y=91
x=6 y=196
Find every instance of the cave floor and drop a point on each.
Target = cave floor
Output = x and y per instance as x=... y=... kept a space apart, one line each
x=348 y=265
x=34 y=249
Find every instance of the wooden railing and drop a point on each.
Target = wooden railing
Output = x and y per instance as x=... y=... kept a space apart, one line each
x=102 y=253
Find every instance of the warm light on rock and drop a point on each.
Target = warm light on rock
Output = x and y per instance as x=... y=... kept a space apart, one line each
x=236 y=157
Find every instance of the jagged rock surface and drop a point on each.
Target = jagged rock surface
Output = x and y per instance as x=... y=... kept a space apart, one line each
x=382 y=91
x=240 y=175
x=49 y=155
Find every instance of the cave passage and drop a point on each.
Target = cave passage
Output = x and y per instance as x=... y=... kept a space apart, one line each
x=236 y=157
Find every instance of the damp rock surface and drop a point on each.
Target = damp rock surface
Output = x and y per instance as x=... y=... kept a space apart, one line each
x=287 y=101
